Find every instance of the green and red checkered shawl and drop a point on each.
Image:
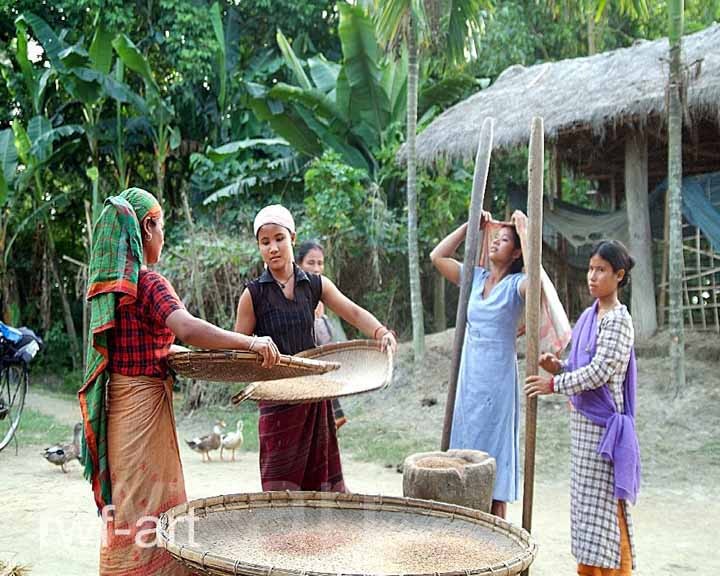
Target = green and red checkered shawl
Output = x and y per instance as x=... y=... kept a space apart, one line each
x=115 y=262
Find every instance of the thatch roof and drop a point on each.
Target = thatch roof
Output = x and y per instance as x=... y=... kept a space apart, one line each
x=596 y=93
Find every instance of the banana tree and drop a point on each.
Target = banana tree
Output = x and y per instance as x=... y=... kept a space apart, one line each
x=27 y=151
x=160 y=113
x=350 y=106
x=227 y=65
x=343 y=106
x=8 y=172
x=118 y=146
x=85 y=75
x=25 y=155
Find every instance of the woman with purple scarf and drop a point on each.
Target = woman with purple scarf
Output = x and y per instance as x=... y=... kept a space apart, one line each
x=600 y=378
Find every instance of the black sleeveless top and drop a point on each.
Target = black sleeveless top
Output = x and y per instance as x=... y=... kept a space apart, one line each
x=290 y=323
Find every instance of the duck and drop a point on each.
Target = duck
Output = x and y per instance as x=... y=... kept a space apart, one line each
x=204 y=444
x=232 y=440
x=61 y=454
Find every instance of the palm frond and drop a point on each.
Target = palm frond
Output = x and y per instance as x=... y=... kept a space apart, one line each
x=465 y=21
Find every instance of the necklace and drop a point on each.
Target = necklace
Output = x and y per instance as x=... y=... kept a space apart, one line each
x=284 y=284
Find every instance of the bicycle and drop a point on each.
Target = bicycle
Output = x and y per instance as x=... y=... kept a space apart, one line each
x=17 y=349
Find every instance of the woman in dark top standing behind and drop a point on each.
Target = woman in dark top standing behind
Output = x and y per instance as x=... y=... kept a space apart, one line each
x=298 y=443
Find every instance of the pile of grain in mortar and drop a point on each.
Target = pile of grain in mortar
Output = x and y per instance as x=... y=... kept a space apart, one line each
x=441 y=462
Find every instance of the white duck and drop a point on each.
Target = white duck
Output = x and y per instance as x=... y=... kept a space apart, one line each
x=232 y=440
x=204 y=444
x=61 y=454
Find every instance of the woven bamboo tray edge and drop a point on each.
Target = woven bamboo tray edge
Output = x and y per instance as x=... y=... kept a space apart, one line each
x=198 y=364
x=250 y=393
x=196 y=558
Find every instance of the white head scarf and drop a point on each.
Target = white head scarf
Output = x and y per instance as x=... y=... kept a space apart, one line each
x=274 y=214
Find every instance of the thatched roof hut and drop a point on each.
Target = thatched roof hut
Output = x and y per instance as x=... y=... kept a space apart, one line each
x=593 y=95
x=604 y=118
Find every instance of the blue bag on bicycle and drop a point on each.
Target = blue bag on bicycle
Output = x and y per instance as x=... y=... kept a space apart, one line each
x=12 y=335
x=20 y=343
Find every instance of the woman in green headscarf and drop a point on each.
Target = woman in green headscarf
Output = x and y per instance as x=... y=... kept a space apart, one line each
x=131 y=452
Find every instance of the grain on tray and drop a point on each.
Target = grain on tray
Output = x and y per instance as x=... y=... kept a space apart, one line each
x=341 y=547
x=306 y=543
x=299 y=388
x=440 y=553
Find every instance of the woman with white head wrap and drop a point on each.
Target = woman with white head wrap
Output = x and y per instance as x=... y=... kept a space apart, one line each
x=298 y=443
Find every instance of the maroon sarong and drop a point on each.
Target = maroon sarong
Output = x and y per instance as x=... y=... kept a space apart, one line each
x=299 y=448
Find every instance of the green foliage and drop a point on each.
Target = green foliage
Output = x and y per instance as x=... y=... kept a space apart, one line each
x=8 y=162
x=443 y=193
x=362 y=237
x=346 y=106
x=225 y=259
x=57 y=354
x=575 y=190
x=229 y=171
x=345 y=210
x=353 y=106
x=447 y=30
x=220 y=73
x=336 y=193
x=81 y=74
x=312 y=24
x=444 y=203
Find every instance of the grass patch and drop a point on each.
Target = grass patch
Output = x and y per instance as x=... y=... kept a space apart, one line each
x=376 y=442
x=63 y=384
x=39 y=429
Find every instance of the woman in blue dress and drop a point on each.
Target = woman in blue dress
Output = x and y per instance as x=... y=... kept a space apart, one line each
x=487 y=404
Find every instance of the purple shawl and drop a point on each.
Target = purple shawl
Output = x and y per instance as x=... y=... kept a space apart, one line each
x=619 y=443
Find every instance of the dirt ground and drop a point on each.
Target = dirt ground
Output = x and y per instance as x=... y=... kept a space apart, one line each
x=48 y=519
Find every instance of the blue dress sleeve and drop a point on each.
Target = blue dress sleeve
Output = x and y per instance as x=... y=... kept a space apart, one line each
x=478 y=274
x=517 y=280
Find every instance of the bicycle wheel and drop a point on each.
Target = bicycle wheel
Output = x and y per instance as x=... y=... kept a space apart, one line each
x=13 y=388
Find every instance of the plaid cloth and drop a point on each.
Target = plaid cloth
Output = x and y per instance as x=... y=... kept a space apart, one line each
x=141 y=341
x=113 y=273
x=593 y=506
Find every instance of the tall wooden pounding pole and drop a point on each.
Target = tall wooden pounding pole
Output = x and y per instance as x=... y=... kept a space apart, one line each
x=482 y=166
x=533 y=260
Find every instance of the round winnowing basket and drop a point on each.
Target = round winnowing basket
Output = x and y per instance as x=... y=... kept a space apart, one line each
x=331 y=534
x=363 y=367
x=242 y=366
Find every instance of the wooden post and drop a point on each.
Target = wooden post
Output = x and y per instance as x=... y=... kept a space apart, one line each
x=439 y=316
x=482 y=166
x=644 y=312
x=713 y=290
x=532 y=307
x=664 y=272
x=688 y=304
x=562 y=245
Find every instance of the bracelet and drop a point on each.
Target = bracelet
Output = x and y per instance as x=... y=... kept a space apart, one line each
x=387 y=331
x=252 y=344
